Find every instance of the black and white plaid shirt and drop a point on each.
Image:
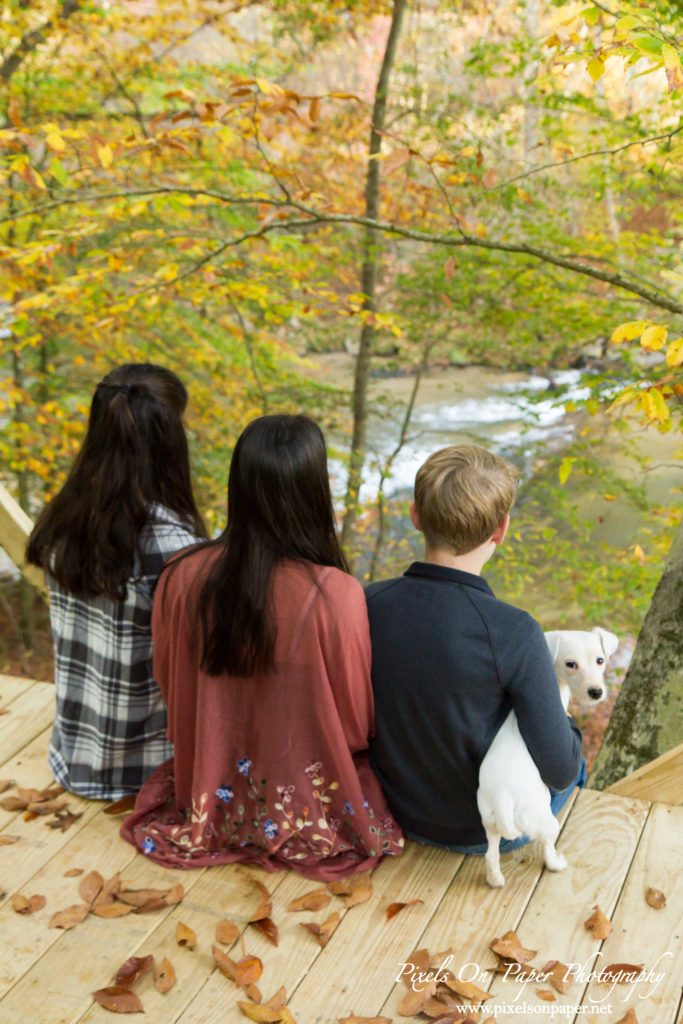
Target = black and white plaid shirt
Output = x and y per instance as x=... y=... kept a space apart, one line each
x=109 y=731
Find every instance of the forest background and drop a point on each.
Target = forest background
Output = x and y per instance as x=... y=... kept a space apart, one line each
x=235 y=188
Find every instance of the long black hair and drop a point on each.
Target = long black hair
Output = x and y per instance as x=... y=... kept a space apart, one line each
x=134 y=453
x=279 y=506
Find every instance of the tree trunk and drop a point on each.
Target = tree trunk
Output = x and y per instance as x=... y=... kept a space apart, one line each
x=648 y=714
x=369 y=280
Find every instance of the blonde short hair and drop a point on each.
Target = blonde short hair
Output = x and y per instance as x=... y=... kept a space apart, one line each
x=462 y=493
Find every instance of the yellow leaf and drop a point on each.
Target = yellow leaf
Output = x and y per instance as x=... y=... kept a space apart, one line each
x=639 y=554
x=648 y=406
x=596 y=68
x=565 y=470
x=55 y=141
x=628 y=331
x=671 y=59
x=674 y=353
x=653 y=338
x=481 y=231
x=661 y=409
x=610 y=497
x=270 y=88
x=105 y=155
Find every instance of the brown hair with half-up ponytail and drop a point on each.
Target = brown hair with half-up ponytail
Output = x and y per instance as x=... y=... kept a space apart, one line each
x=134 y=453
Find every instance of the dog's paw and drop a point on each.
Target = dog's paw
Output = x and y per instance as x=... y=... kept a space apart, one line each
x=495 y=879
x=556 y=862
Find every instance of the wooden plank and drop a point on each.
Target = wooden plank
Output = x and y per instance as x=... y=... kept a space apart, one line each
x=15 y=529
x=12 y=687
x=216 y=893
x=660 y=780
x=644 y=935
x=30 y=713
x=472 y=913
x=58 y=987
x=599 y=840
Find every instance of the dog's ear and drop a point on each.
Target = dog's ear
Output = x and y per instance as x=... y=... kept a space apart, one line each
x=552 y=639
x=609 y=641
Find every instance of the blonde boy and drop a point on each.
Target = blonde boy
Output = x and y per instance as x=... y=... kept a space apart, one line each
x=449 y=660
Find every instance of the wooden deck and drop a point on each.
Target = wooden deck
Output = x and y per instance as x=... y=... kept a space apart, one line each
x=616 y=847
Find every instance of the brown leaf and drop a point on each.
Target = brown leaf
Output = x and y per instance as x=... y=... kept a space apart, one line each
x=655 y=898
x=134 y=967
x=13 y=803
x=314 y=109
x=184 y=936
x=71 y=916
x=630 y=1018
x=118 y=1000
x=265 y=907
x=224 y=963
x=558 y=974
x=468 y=990
x=449 y=268
x=45 y=807
x=511 y=948
x=598 y=924
x=13 y=111
x=31 y=796
x=90 y=887
x=226 y=932
x=397 y=159
x=111 y=910
x=620 y=973
x=546 y=994
x=323 y=932
x=413 y=999
x=122 y=806
x=269 y=929
x=253 y=992
x=141 y=897
x=277 y=1001
x=316 y=899
x=164 y=976
x=174 y=895
x=73 y=872
x=8 y=840
x=6 y=784
x=248 y=969
x=394 y=908
x=108 y=892
x=22 y=905
x=64 y=819
x=4 y=711
x=261 y=1014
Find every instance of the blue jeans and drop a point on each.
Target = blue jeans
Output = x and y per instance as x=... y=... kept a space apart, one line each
x=558 y=798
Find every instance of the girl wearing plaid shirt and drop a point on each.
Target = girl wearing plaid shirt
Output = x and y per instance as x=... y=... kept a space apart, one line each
x=126 y=506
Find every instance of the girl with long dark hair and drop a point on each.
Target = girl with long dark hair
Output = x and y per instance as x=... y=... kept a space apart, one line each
x=126 y=505
x=262 y=652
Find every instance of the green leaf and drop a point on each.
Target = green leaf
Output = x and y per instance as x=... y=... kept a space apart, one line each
x=596 y=68
x=58 y=171
x=565 y=470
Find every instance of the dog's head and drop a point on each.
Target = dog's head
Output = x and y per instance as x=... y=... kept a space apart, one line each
x=580 y=659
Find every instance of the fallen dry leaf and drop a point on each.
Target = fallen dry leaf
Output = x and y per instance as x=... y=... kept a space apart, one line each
x=356 y=889
x=108 y=892
x=184 y=936
x=421 y=961
x=468 y=990
x=226 y=932
x=265 y=907
x=73 y=872
x=6 y=784
x=4 y=711
x=323 y=932
x=413 y=1000
x=260 y=1014
x=277 y=1001
x=598 y=924
x=620 y=973
x=30 y=795
x=13 y=803
x=122 y=806
x=164 y=976
x=47 y=807
x=118 y=1000
x=316 y=899
x=510 y=948
x=247 y=970
x=559 y=975
x=655 y=898
x=22 y=905
x=111 y=910
x=90 y=887
x=253 y=993
x=630 y=1018
x=141 y=897
x=546 y=994
x=174 y=895
x=64 y=819
x=134 y=967
x=8 y=840
x=224 y=963
x=268 y=927
x=394 y=908
x=70 y=917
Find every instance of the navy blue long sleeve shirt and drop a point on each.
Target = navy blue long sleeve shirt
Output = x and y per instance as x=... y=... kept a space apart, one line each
x=449 y=661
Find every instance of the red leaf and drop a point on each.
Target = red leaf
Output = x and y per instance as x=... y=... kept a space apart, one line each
x=135 y=966
x=118 y=1000
x=268 y=927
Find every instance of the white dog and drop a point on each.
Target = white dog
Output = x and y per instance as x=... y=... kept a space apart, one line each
x=512 y=798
